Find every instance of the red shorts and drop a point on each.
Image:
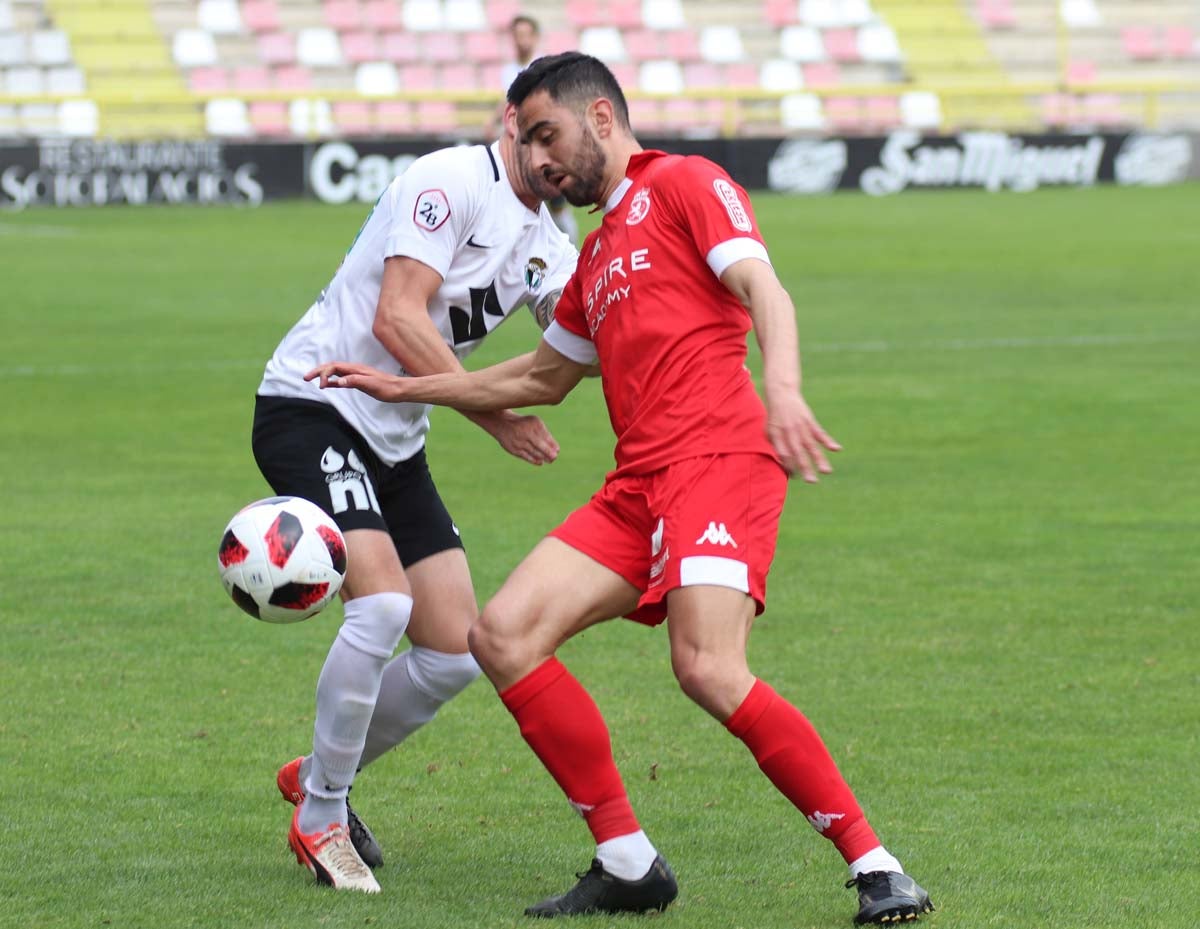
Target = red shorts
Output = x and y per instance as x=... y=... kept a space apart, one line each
x=709 y=520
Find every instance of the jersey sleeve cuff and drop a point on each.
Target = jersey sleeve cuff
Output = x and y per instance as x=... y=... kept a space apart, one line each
x=565 y=342
x=731 y=251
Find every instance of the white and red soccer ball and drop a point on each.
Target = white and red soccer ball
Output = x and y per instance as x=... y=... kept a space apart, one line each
x=282 y=559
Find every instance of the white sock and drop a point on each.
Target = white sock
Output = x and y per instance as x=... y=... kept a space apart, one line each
x=415 y=685
x=346 y=693
x=628 y=857
x=877 y=859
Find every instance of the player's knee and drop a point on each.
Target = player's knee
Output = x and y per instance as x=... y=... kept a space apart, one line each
x=714 y=682
x=495 y=641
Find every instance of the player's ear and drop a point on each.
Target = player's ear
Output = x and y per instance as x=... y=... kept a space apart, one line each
x=600 y=114
x=510 y=120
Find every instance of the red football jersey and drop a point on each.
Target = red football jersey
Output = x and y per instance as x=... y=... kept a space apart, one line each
x=669 y=336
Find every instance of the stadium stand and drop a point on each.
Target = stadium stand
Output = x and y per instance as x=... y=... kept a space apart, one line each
x=309 y=68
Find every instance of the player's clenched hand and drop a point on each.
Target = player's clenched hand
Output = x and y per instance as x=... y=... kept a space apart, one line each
x=381 y=386
x=799 y=438
x=525 y=437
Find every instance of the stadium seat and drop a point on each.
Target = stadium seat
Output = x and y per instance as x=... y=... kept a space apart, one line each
x=342 y=15
x=220 y=17
x=645 y=116
x=500 y=13
x=625 y=14
x=260 y=15
x=682 y=44
x=701 y=74
x=740 y=74
x=226 y=117
x=881 y=113
x=276 y=48
x=834 y=14
x=401 y=47
x=721 y=44
x=251 y=79
x=40 y=119
x=802 y=43
x=78 y=118
x=65 y=82
x=293 y=78
x=801 y=112
x=996 y=14
x=465 y=15
x=1080 y=14
x=1179 y=41
x=780 y=75
x=663 y=14
x=920 y=109
x=484 y=48
x=780 y=13
x=318 y=47
x=584 y=14
x=460 y=77
x=417 y=78
x=10 y=123
x=24 y=81
x=423 y=15
x=436 y=116
x=353 y=117
x=360 y=46
x=1103 y=110
x=822 y=74
x=642 y=44
x=845 y=114
x=661 y=76
x=877 y=43
x=842 y=44
x=193 y=48
x=49 y=47
x=208 y=80
x=310 y=117
x=441 y=47
x=7 y=23
x=1140 y=43
x=603 y=42
x=382 y=15
x=393 y=116
x=13 y=49
x=1081 y=71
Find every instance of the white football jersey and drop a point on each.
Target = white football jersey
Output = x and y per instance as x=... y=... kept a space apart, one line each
x=455 y=211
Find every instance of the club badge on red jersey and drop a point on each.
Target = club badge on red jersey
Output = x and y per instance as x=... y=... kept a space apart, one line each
x=639 y=207
x=431 y=211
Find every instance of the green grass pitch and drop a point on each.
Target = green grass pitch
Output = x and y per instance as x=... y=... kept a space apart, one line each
x=989 y=611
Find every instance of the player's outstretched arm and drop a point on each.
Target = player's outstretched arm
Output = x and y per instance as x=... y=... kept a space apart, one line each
x=791 y=425
x=538 y=378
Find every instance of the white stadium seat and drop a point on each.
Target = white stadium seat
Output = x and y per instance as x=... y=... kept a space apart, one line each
x=78 y=118
x=6 y=17
x=310 y=117
x=64 y=81
x=423 y=15
x=220 y=17
x=801 y=111
x=12 y=49
x=25 y=81
x=920 y=109
x=663 y=14
x=38 y=118
x=660 y=77
x=50 y=47
x=1080 y=14
x=802 y=43
x=779 y=75
x=465 y=15
x=603 y=42
x=226 y=117
x=194 y=48
x=878 y=43
x=318 y=47
x=721 y=44
x=377 y=79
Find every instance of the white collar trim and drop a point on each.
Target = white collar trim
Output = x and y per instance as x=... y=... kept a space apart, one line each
x=615 y=198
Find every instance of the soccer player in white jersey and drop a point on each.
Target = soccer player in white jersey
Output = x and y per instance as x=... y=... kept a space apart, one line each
x=451 y=249
x=684 y=528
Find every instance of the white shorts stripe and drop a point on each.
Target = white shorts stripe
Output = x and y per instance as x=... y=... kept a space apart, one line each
x=709 y=569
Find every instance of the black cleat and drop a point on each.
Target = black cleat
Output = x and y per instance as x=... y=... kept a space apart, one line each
x=363 y=840
x=600 y=892
x=889 y=897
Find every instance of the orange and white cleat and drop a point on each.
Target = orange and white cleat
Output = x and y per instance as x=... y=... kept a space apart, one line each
x=331 y=857
x=288 y=782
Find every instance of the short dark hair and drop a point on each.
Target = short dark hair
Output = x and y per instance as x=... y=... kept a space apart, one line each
x=527 y=20
x=572 y=78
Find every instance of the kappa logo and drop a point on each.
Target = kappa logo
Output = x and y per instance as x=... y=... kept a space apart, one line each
x=729 y=198
x=822 y=821
x=639 y=207
x=716 y=534
x=431 y=210
x=595 y=250
x=347 y=481
x=581 y=808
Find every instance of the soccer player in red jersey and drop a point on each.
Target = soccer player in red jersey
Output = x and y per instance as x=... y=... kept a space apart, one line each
x=685 y=525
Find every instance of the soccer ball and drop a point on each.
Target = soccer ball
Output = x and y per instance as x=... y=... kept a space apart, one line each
x=282 y=559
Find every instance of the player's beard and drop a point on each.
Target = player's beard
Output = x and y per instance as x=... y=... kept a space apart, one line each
x=534 y=180
x=586 y=185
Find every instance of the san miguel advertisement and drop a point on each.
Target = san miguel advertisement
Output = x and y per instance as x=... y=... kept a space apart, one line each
x=66 y=173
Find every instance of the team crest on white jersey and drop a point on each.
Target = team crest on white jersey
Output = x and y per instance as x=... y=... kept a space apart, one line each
x=535 y=273
x=733 y=205
x=639 y=207
x=432 y=210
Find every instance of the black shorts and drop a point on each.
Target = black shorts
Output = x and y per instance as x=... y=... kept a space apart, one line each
x=305 y=449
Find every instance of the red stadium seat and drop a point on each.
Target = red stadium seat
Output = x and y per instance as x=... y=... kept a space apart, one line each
x=701 y=74
x=1103 y=110
x=416 y=78
x=500 y=13
x=251 y=79
x=780 y=13
x=641 y=44
x=260 y=15
x=382 y=15
x=276 y=48
x=1081 y=72
x=881 y=112
x=683 y=45
x=741 y=74
x=360 y=46
x=485 y=47
x=996 y=14
x=845 y=114
x=1180 y=42
x=393 y=116
x=842 y=44
x=343 y=14
x=436 y=116
x=458 y=77
x=401 y=47
x=822 y=74
x=353 y=117
x=208 y=80
x=1140 y=43
x=557 y=40
x=625 y=14
x=584 y=13
x=441 y=47
x=269 y=118
x=295 y=78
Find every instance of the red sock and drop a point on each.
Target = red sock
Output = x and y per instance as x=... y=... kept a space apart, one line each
x=792 y=755
x=564 y=728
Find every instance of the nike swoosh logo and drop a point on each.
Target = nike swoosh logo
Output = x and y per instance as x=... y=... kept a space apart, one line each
x=471 y=242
